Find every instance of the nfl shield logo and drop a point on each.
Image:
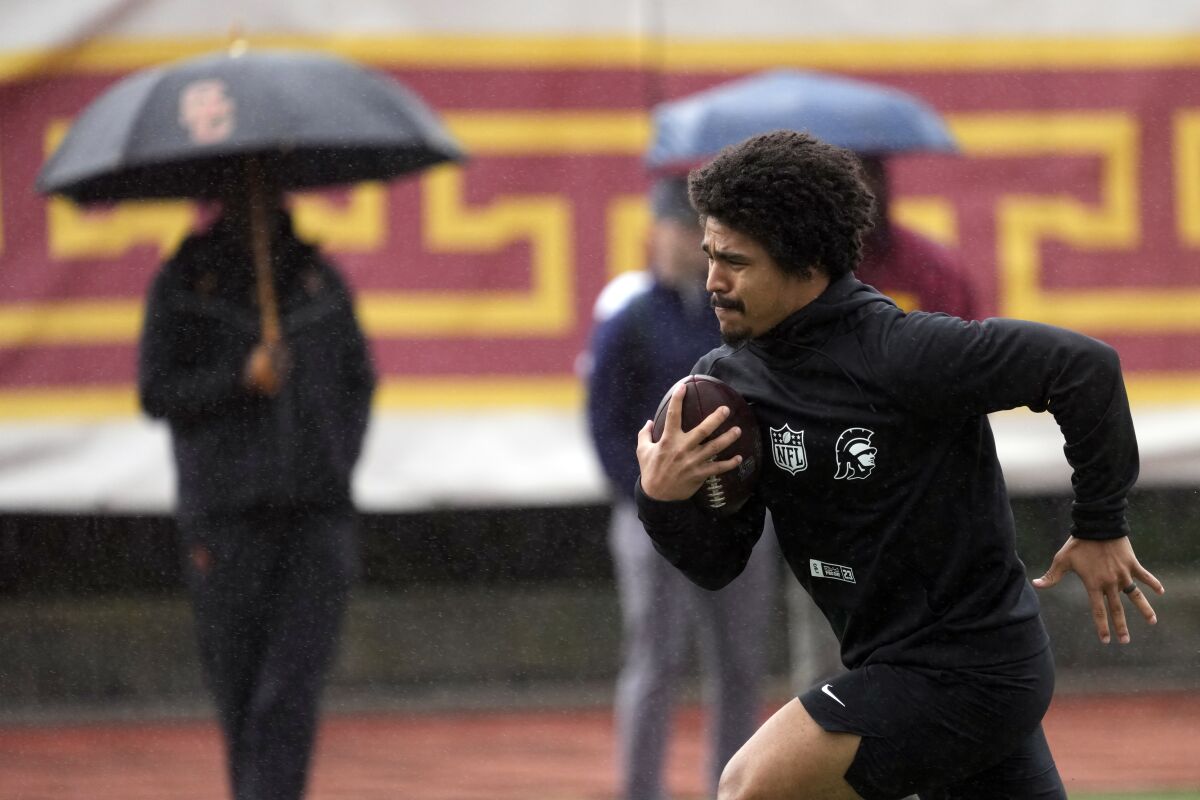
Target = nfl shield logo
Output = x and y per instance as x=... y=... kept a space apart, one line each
x=787 y=447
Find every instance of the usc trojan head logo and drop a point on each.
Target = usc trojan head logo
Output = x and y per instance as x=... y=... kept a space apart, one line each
x=855 y=455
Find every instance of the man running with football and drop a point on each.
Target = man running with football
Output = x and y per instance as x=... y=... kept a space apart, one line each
x=898 y=521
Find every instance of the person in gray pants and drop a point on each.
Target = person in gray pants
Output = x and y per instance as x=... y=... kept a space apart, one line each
x=661 y=612
x=638 y=350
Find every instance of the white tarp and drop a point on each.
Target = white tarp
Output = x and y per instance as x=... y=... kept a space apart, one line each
x=36 y=24
x=535 y=458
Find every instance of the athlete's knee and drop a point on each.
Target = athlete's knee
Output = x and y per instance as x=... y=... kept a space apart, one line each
x=737 y=780
x=730 y=786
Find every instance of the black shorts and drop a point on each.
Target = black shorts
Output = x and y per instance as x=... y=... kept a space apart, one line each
x=944 y=734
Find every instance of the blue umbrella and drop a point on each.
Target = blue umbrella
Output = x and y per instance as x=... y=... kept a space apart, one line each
x=860 y=116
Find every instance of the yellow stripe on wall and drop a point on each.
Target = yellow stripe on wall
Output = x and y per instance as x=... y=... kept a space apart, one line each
x=75 y=403
x=403 y=394
x=633 y=52
x=559 y=392
x=554 y=391
x=952 y=55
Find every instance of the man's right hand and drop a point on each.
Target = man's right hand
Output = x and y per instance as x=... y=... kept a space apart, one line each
x=675 y=467
x=266 y=368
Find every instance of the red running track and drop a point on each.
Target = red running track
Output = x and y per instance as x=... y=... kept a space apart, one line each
x=1103 y=743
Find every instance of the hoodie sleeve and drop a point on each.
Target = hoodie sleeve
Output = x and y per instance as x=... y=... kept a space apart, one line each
x=171 y=383
x=356 y=373
x=711 y=551
x=615 y=384
x=974 y=368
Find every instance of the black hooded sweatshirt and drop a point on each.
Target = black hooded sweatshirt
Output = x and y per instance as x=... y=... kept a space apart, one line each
x=880 y=472
x=237 y=451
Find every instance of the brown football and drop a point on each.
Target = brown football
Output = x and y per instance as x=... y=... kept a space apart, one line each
x=725 y=493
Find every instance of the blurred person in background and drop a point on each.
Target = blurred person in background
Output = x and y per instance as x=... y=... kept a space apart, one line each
x=919 y=274
x=641 y=345
x=265 y=436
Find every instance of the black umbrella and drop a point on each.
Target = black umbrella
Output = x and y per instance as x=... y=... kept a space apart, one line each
x=257 y=122
x=316 y=120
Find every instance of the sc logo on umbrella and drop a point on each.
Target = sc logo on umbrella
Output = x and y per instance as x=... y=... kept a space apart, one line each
x=207 y=111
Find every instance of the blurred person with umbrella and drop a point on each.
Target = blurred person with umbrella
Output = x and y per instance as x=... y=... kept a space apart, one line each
x=877 y=123
x=251 y=352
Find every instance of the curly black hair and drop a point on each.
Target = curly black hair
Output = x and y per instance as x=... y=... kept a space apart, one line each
x=803 y=200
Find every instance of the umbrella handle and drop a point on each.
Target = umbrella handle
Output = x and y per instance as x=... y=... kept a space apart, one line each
x=260 y=245
x=266 y=375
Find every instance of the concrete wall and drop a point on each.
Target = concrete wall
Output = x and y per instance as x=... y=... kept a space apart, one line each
x=448 y=642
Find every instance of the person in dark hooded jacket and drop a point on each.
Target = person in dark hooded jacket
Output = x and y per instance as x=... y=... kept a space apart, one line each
x=265 y=437
x=889 y=504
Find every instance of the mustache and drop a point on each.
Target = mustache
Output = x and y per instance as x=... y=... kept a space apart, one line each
x=720 y=301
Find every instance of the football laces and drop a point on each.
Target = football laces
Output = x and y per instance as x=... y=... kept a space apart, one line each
x=714 y=492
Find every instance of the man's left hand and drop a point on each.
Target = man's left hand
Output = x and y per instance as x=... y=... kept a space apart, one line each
x=1108 y=569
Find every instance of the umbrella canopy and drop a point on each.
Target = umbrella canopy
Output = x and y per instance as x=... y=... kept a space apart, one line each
x=314 y=120
x=860 y=116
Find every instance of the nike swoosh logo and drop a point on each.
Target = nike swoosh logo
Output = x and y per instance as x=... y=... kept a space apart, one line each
x=828 y=689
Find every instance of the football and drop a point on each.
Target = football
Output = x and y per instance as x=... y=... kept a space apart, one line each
x=725 y=493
